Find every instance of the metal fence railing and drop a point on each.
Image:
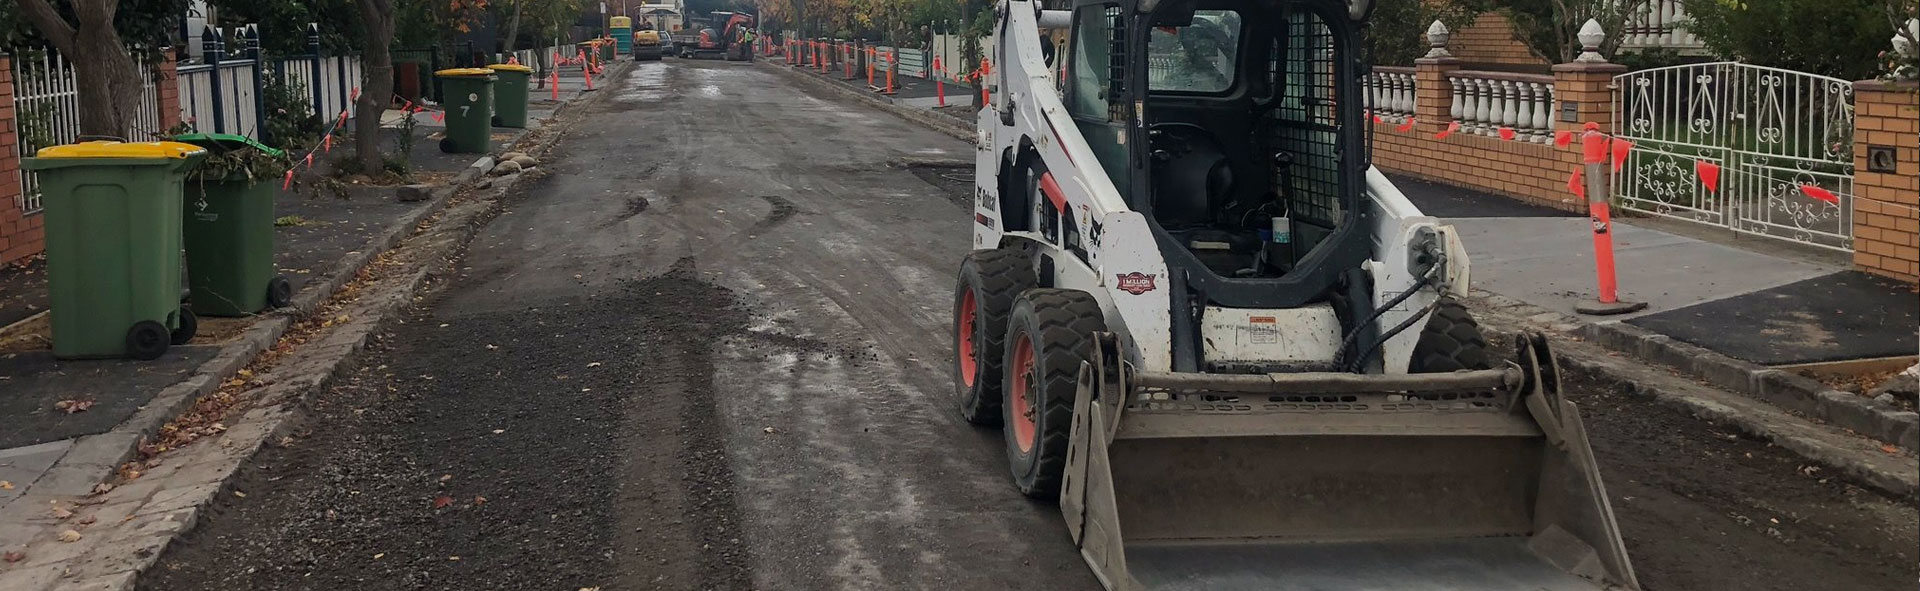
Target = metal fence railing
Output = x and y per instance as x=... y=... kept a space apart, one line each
x=47 y=111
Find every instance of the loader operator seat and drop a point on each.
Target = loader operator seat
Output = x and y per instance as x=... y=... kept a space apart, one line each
x=1192 y=180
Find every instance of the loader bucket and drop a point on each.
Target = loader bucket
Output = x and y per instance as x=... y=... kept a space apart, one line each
x=1478 y=480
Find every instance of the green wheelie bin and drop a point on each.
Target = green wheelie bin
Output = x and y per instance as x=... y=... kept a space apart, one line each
x=113 y=246
x=510 y=94
x=469 y=103
x=228 y=226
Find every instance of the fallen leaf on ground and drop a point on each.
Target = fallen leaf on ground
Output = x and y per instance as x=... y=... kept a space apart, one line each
x=102 y=488
x=88 y=520
x=13 y=556
x=377 y=556
x=73 y=406
x=495 y=432
x=446 y=477
x=1889 y=448
x=594 y=364
x=768 y=429
x=479 y=500
x=69 y=536
x=454 y=558
x=61 y=513
x=442 y=501
x=4 y=485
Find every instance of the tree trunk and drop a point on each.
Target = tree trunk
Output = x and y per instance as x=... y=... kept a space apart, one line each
x=376 y=84
x=513 y=27
x=106 y=77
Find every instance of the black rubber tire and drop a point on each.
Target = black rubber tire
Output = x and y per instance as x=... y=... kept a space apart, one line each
x=994 y=278
x=1061 y=323
x=189 y=326
x=446 y=145
x=1451 y=341
x=279 y=292
x=147 y=340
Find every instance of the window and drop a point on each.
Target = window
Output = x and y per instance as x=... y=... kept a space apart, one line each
x=1091 y=74
x=1197 y=58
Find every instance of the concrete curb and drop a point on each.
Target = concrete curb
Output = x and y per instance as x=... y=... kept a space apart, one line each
x=925 y=118
x=1784 y=389
x=137 y=520
x=1857 y=459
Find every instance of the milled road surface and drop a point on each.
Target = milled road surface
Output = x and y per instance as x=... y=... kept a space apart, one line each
x=710 y=352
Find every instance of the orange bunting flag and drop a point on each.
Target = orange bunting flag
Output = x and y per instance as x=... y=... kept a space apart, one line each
x=1709 y=174
x=356 y=94
x=1819 y=193
x=1578 y=184
x=1620 y=149
x=287 y=184
x=1405 y=127
x=309 y=159
x=328 y=142
x=1506 y=133
x=1563 y=138
x=406 y=107
x=1451 y=127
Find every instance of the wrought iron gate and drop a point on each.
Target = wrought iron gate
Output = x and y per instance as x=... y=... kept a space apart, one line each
x=1783 y=142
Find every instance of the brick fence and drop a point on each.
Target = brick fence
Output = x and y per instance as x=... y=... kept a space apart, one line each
x=1886 y=221
x=21 y=233
x=1886 y=224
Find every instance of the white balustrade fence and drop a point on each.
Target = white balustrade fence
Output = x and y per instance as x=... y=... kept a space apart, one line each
x=1391 y=93
x=1485 y=102
x=47 y=111
x=1661 y=24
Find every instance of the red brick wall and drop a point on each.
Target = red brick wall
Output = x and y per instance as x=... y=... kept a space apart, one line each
x=1530 y=172
x=166 y=83
x=1489 y=40
x=20 y=235
x=1886 y=220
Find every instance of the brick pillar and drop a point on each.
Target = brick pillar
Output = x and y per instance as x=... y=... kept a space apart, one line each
x=166 y=83
x=1433 y=101
x=1585 y=87
x=19 y=233
x=1886 y=190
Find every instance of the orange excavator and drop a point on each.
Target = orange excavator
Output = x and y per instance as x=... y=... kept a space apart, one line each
x=729 y=42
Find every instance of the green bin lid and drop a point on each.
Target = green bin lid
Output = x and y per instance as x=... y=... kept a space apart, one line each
x=227 y=142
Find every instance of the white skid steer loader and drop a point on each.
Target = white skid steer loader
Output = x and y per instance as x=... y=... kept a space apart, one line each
x=1226 y=344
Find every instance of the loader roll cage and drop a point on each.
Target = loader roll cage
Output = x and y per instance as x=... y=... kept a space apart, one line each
x=1211 y=164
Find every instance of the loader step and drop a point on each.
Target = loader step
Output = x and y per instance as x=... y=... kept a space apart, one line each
x=1149 y=425
x=1472 y=564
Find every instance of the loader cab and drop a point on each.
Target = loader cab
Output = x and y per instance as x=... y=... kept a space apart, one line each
x=1227 y=123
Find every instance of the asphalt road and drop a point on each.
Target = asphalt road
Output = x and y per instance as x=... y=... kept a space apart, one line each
x=710 y=352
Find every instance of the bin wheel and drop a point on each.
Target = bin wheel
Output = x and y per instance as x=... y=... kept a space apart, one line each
x=189 y=325
x=496 y=121
x=279 y=292
x=446 y=145
x=147 y=340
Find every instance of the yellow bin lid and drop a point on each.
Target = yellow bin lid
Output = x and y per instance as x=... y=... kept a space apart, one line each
x=509 y=68
x=106 y=149
x=455 y=72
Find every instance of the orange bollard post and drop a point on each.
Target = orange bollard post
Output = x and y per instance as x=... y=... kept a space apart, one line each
x=939 y=82
x=870 y=57
x=893 y=65
x=584 y=74
x=1594 y=145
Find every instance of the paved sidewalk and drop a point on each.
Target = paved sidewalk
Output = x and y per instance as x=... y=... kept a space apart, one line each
x=1744 y=298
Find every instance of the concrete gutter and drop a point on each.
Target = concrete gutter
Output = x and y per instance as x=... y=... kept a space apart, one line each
x=1858 y=459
